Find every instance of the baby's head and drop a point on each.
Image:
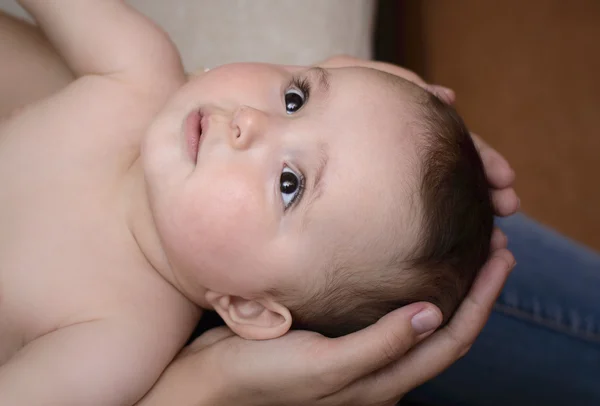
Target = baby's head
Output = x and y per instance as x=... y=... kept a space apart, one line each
x=321 y=199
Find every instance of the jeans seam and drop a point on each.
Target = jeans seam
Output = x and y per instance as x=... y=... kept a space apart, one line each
x=542 y=321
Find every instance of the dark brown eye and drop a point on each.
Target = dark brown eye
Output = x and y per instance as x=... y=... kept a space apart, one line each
x=294 y=100
x=290 y=185
x=289 y=182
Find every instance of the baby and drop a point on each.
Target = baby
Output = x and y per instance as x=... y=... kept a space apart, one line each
x=277 y=196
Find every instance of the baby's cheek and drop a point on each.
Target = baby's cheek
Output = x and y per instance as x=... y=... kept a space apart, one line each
x=223 y=223
x=234 y=218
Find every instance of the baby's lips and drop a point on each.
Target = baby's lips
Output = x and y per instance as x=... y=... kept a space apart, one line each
x=193 y=133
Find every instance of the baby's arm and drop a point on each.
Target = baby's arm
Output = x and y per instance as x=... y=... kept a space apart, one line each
x=107 y=37
x=101 y=362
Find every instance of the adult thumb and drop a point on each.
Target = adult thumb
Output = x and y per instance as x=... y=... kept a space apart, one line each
x=374 y=347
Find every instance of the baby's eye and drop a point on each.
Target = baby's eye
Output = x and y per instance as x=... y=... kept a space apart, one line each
x=294 y=100
x=291 y=186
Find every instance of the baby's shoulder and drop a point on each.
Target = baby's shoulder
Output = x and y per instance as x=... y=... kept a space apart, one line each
x=95 y=116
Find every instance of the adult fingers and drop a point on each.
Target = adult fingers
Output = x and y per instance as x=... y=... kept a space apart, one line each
x=398 y=71
x=445 y=346
x=443 y=93
x=454 y=340
x=207 y=339
x=358 y=354
x=497 y=169
x=499 y=240
x=500 y=176
x=505 y=201
x=342 y=61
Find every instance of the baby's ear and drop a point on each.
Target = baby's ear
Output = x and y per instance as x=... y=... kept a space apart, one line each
x=260 y=319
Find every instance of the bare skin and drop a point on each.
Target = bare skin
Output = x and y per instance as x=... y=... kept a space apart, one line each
x=31 y=69
x=55 y=79
x=63 y=250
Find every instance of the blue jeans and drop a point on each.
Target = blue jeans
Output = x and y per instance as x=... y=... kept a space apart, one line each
x=541 y=345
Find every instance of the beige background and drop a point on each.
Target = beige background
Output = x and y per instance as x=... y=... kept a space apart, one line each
x=214 y=32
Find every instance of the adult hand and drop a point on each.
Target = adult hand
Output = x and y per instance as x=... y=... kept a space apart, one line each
x=500 y=175
x=375 y=366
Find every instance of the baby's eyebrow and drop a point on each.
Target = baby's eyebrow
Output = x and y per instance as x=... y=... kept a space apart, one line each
x=322 y=166
x=316 y=191
x=323 y=76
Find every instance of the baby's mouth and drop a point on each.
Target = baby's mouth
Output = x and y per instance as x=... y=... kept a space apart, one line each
x=193 y=133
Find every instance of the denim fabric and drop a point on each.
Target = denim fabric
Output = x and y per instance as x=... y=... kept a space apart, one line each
x=541 y=345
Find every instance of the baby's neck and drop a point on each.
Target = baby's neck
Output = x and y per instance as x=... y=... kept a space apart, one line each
x=142 y=226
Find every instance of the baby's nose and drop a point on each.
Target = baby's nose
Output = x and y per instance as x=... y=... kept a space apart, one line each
x=248 y=127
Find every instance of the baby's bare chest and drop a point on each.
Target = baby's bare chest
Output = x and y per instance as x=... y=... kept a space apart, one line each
x=65 y=254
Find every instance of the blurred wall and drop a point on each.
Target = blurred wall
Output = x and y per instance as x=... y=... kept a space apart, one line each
x=213 y=32
x=527 y=76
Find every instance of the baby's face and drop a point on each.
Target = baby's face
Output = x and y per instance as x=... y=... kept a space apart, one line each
x=260 y=174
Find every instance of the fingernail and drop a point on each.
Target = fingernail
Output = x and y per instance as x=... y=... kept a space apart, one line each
x=426 y=321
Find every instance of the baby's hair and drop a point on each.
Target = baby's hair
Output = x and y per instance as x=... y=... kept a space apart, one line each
x=455 y=233
x=458 y=216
